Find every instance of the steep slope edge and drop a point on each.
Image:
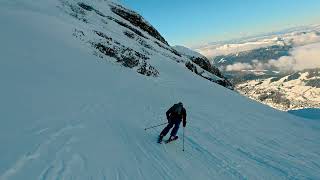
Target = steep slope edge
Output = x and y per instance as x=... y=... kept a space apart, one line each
x=200 y=65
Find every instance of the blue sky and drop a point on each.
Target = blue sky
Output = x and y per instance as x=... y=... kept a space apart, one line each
x=192 y=22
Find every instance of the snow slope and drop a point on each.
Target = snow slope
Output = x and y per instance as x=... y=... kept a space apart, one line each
x=68 y=114
x=309 y=113
x=200 y=65
x=188 y=52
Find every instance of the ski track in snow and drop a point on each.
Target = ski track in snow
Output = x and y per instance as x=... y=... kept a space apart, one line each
x=32 y=156
x=195 y=152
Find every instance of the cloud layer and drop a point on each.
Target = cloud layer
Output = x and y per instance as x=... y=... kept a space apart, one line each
x=239 y=67
x=294 y=38
x=215 y=50
x=306 y=57
x=302 y=57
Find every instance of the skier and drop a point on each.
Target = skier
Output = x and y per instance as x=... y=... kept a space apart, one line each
x=175 y=115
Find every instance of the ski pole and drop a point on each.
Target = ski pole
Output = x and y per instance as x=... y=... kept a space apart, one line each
x=183 y=140
x=155 y=126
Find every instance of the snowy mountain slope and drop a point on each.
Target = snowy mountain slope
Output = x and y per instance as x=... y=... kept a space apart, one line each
x=250 y=64
x=123 y=34
x=295 y=91
x=200 y=65
x=68 y=114
x=187 y=52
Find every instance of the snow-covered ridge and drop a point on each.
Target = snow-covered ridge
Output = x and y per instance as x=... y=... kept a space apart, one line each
x=124 y=35
x=109 y=33
x=200 y=65
x=138 y=21
x=187 y=52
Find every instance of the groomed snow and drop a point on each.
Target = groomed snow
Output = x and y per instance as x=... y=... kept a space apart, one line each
x=66 y=114
x=309 y=113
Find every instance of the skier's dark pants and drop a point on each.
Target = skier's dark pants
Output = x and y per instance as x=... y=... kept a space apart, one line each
x=175 y=123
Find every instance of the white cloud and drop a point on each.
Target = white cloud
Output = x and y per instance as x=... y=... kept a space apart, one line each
x=285 y=63
x=302 y=57
x=305 y=57
x=238 y=67
x=299 y=38
x=259 y=65
x=307 y=38
x=215 y=50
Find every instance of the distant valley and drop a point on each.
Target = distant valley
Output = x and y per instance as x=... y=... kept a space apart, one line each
x=279 y=69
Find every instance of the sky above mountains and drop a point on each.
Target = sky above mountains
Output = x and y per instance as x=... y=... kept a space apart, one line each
x=191 y=23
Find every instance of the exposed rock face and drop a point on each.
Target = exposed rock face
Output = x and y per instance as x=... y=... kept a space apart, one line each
x=126 y=56
x=200 y=65
x=105 y=44
x=137 y=21
x=135 y=42
x=205 y=64
x=207 y=75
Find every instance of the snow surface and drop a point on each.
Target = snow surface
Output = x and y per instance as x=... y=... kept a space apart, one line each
x=309 y=113
x=67 y=114
x=190 y=54
x=187 y=52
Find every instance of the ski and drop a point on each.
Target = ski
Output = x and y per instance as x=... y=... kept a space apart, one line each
x=170 y=140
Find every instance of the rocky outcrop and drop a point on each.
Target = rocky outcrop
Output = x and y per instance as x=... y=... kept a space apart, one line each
x=208 y=75
x=124 y=55
x=200 y=65
x=137 y=20
x=138 y=33
x=206 y=65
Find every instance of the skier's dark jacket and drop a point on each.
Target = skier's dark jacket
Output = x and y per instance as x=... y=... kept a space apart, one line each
x=172 y=115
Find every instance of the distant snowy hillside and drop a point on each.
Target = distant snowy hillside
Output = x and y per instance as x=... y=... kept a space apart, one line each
x=295 y=36
x=250 y=63
x=74 y=107
x=266 y=54
x=295 y=91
